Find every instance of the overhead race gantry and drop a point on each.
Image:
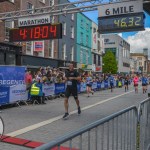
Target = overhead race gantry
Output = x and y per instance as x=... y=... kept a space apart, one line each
x=55 y=10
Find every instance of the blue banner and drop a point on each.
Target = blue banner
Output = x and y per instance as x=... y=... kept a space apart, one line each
x=11 y=75
x=59 y=88
x=102 y=85
x=98 y=85
x=78 y=86
x=4 y=95
x=106 y=84
x=82 y=87
x=94 y=85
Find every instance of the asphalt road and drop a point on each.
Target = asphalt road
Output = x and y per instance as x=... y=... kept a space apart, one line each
x=44 y=123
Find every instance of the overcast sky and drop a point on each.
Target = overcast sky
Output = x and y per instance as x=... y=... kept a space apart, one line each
x=140 y=40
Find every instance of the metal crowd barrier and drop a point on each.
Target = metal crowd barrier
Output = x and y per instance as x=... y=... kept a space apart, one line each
x=115 y=132
x=144 y=128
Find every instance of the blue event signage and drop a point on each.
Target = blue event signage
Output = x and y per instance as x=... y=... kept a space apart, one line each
x=11 y=75
x=4 y=95
x=59 y=88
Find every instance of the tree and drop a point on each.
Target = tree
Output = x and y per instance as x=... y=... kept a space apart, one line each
x=109 y=63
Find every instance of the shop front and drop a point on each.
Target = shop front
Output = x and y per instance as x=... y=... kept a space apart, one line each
x=10 y=54
x=64 y=63
x=36 y=62
x=84 y=67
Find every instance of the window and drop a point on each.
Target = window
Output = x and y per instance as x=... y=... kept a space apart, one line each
x=72 y=32
x=64 y=51
x=126 y=65
x=87 y=26
x=29 y=7
x=98 y=45
x=123 y=52
x=99 y=60
x=81 y=38
x=87 y=40
x=41 y=54
x=8 y=26
x=139 y=58
x=51 y=2
x=52 y=19
x=81 y=56
x=64 y=28
x=95 y=59
x=72 y=16
x=10 y=59
x=94 y=30
x=50 y=48
x=87 y=57
x=81 y=23
x=2 y=61
x=72 y=54
x=28 y=47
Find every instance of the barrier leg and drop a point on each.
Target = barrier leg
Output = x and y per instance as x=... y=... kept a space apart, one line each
x=18 y=103
x=35 y=102
x=25 y=103
x=138 y=136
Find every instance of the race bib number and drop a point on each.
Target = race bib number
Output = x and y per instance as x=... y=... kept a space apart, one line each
x=69 y=82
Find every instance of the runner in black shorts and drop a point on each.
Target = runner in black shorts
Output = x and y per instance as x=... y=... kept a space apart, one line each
x=126 y=83
x=71 y=79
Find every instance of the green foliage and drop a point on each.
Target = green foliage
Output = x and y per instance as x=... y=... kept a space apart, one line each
x=109 y=63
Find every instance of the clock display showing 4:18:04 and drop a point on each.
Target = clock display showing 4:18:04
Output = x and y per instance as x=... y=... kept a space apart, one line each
x=39 y=32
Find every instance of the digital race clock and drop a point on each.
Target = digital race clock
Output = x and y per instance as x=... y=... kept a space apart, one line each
x=36 y=33
x=121 y=23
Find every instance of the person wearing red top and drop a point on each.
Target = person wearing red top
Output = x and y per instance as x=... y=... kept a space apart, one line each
x=135 y=81
x=28 y=80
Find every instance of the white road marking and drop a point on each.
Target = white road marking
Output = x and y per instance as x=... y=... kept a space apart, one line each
x=49 y=121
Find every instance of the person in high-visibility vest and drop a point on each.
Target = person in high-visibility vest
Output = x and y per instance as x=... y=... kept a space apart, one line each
x=36 y=90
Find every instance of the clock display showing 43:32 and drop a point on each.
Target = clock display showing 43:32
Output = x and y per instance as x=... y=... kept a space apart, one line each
x=38 y=32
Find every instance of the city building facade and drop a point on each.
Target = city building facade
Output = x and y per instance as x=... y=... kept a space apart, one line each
x=97 y=49
x=80 y=44
x=134 y=66
x=83 y=44
x=142 y=60
x=67 y=45
x=120 y=49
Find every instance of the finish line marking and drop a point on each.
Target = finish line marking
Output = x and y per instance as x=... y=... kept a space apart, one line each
x=49 y=121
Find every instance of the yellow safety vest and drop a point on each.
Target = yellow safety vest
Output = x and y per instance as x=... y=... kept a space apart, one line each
x=34 y=90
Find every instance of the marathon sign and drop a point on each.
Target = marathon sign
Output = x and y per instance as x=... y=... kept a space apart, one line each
x=31 y=21
x=121 y=8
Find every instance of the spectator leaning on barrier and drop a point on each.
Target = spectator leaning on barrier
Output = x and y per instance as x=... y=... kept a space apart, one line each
x=72 y=77
x=36 y=90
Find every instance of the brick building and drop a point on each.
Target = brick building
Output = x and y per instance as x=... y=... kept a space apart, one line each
x=50 y=55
